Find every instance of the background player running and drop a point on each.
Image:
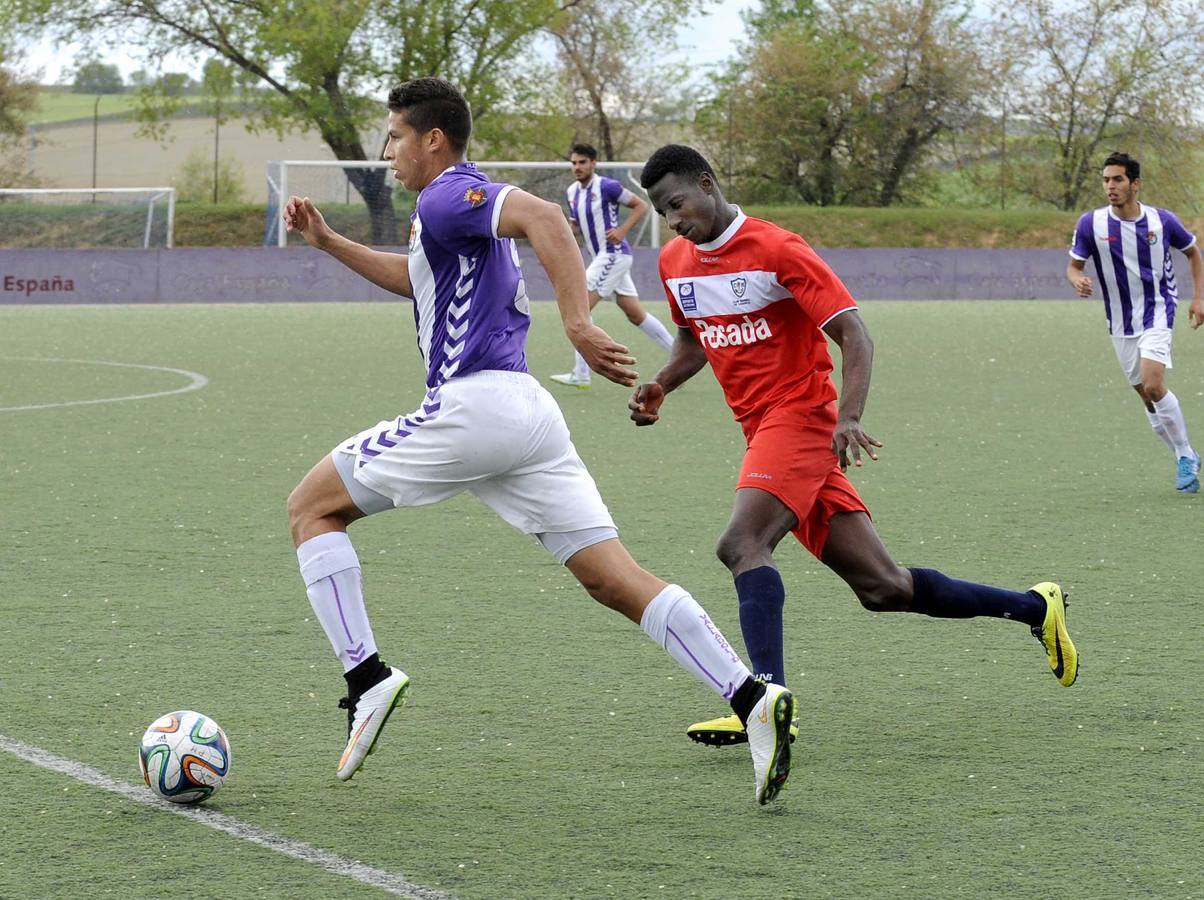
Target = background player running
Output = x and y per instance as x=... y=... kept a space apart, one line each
x=1130 y=244
x=755 y=301
x=593 y=203
x=486 y=426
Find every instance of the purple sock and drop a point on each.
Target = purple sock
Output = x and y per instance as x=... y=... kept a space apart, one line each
x=936 y=594
x=762 y=596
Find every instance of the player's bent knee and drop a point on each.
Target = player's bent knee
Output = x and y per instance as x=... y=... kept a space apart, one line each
x=740 y=552
x=887 y=592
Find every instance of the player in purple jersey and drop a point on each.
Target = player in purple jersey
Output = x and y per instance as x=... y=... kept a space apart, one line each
x=486 y=426
x=593 y=203
x=1130 y=244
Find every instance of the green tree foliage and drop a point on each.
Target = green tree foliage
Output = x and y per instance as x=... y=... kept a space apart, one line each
x=842 y=103
x=196 y=181
x=611 y=62
x=1102 y=75
x=95 y=77
x=325 y=65
x=18 y=97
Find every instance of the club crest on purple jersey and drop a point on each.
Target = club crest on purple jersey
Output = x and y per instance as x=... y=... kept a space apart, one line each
x=475 y=196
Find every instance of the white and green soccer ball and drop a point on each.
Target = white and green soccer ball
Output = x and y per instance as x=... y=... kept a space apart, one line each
x=184 y=756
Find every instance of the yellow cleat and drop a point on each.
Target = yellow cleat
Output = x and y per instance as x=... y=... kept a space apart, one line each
x=1063 y=658
x=727 y=730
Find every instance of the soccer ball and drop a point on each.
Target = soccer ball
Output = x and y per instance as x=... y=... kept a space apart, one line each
x=184 y=757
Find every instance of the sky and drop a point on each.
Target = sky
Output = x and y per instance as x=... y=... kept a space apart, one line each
x=705 y=39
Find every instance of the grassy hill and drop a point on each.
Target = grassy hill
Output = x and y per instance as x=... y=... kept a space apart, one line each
x=60 y=105
x=203 y=225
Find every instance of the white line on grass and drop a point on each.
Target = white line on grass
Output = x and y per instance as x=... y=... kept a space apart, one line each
x=338 y=865
x=196 y=381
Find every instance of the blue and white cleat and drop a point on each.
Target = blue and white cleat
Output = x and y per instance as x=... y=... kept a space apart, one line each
x=1187 y=477
x=572 y=379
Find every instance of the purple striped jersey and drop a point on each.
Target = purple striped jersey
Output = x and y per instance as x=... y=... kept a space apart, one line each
x=595 y=209
x=470 y=303
x=1133 y=262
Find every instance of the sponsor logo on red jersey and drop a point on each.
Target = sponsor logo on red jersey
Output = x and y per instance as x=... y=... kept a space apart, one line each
x=733 y=334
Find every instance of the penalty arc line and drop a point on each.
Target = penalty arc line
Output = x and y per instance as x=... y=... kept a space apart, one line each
x=323 y=859
x=196 y=381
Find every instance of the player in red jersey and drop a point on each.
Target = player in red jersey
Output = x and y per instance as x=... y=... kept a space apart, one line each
x=755 y=301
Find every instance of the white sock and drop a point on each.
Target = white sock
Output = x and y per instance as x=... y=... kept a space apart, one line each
x=1171 y=417
x=675 y=621
x=580 y=368
x=1156 y=424
x=652 y=327
x=331 y=572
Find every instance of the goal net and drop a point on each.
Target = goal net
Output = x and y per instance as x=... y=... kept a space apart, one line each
x=87 y=217
x=361 y=199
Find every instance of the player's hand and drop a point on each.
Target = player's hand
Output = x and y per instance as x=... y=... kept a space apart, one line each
x=1082 y=285
x=301 y=215
x=849 y=440
x=1195 y=313
x=605 y=356
x=615 y=235
x=645 y=403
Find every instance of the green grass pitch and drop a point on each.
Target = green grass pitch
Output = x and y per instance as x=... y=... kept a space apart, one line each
x=145 y=566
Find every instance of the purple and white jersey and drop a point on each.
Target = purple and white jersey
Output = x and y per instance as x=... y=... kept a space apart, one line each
x=1133 y=262
x=470 y=303
x=595 y=209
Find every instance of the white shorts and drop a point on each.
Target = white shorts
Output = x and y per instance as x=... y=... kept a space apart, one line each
x=1153 y=344
x=610 y=273
x=499 y=435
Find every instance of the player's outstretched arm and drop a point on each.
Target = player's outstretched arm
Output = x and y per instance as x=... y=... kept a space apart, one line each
x=857 y=360
x=388 y=270
x=1195 y=260
x=686 y=359
x=543 y=224
x=1079 y=281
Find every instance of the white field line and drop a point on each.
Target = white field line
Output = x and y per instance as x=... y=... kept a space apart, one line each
x=195 y=382
x=337 y=865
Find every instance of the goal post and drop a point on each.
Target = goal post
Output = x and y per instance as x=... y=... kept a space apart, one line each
x=330 y=184
x=87 y=217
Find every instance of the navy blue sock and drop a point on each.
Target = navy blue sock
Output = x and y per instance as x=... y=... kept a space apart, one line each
x=936 y=594
x=762 y=596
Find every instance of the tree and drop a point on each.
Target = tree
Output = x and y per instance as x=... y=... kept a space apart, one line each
x=217 y=91
x=18 y=97
x=322 y=64
x=197 y=182
x=95 y=77
x=1102 y=74
x=609 y=52
x=841 y=103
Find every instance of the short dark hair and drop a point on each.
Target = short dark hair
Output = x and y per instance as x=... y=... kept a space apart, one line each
x=1132 y=166
x=674 y=159
x=583 y=150
x=434 y=103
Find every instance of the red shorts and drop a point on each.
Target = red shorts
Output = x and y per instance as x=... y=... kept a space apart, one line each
x=790 y=456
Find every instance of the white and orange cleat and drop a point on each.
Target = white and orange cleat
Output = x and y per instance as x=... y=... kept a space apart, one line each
x=769 y=739
x=366 y=716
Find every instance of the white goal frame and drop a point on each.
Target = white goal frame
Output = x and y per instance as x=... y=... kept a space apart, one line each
x=282 y=187
x=153 y=194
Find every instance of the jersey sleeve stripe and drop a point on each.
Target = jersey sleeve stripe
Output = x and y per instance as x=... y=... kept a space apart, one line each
x=497 y=209
x=835 y=314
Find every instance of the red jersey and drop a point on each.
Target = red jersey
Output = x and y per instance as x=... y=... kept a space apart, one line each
x=756 y=298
